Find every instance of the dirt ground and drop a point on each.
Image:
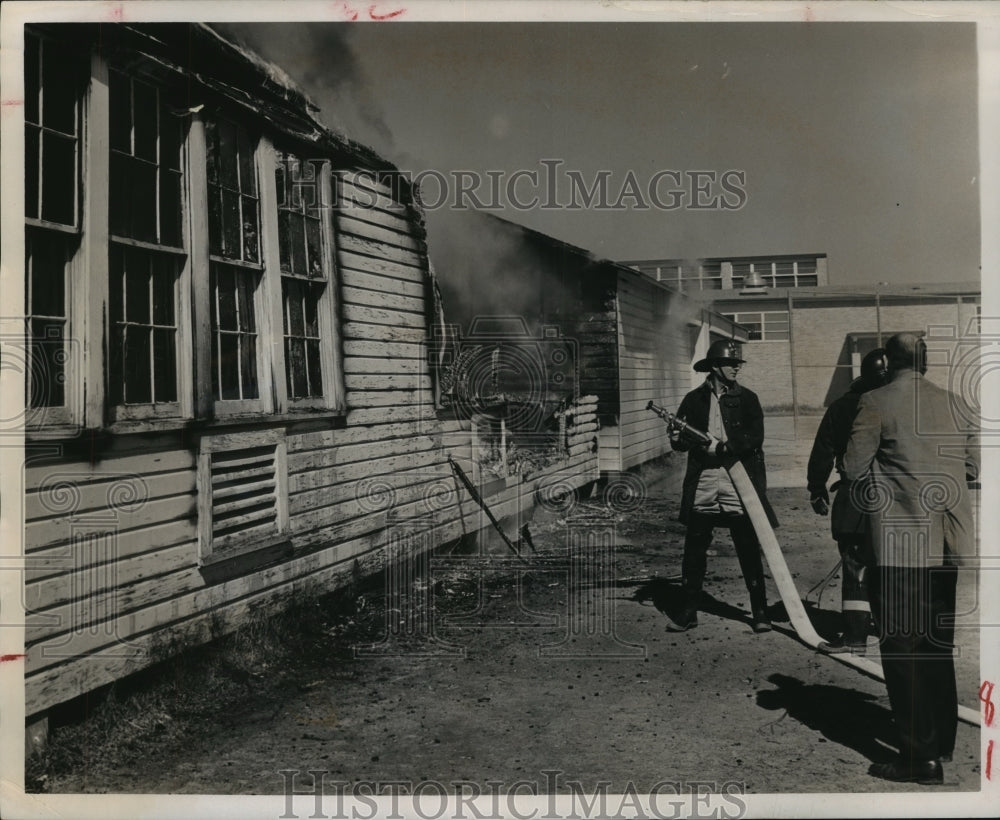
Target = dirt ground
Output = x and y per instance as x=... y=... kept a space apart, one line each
x=488 y=671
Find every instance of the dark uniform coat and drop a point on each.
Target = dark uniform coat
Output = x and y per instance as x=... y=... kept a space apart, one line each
x=846 y=521
x=743 y=421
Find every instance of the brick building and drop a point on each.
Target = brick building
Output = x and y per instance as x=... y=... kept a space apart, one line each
x=807 y=337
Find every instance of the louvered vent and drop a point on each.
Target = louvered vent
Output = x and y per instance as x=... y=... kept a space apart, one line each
x=244 y=495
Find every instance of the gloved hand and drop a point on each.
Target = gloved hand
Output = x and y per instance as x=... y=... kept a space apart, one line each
x=820 y=503
x=713 y=446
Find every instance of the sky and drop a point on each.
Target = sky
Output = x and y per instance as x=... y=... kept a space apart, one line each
x=857 y=140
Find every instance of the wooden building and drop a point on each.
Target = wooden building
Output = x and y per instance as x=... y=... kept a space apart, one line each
x=228 y=312
x=635 y=339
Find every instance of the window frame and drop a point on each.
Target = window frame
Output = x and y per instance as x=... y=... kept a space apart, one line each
x=56 y=421
x=327 y=301
x=119 y=411
x=62 y=415
x=79 y=150
x=761 y=320
x=263 y=298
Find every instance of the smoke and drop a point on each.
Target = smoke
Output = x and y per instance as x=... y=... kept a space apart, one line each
x=321 y=60
x=486 y=266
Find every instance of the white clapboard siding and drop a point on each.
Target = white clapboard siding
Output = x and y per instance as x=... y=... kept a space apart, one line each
x=653 y=357
x=104 y=607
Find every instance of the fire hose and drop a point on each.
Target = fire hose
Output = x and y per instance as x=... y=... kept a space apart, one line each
x=776 y=561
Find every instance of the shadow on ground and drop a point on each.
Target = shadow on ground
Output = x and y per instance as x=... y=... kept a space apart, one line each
x=846 y=716
x=667 y=596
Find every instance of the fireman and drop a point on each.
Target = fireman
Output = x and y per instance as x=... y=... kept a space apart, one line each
x=846 y=522
x=732 y=416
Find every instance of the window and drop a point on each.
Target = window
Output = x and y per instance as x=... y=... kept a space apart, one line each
x=687 y=276
x=779 y=274
x=304 y=274
x=51 y=132
x=145 y=195
x=51 y=208
x=236 y=269
x=146 y=251
x=764 y=326
x=143 y=304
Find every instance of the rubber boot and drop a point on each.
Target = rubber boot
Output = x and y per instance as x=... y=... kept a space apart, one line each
x=758 y=605
x=856 y=631
x=688 y=617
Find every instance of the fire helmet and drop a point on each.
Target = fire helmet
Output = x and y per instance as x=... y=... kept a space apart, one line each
x=874 y=369
x=721 y=351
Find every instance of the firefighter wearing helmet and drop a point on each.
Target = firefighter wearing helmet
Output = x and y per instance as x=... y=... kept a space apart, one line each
x=847 y=524
x=731 y=414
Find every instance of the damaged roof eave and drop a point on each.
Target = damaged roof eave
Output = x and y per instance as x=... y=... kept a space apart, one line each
x=217 y=67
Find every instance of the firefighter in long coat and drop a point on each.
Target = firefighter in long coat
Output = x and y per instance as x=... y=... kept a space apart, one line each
x=731 y=414
x=847 y=523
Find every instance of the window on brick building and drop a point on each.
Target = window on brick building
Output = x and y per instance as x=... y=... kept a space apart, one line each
x=763 y=326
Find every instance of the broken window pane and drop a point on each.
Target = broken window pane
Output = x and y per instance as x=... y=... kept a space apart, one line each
x=301 y=328
x=215 y=221
x=251 y=247
x=313 y=251
x=230 y=224
x=248 y=175
x=228 y=174
x=298 y=243
x=284 y=246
